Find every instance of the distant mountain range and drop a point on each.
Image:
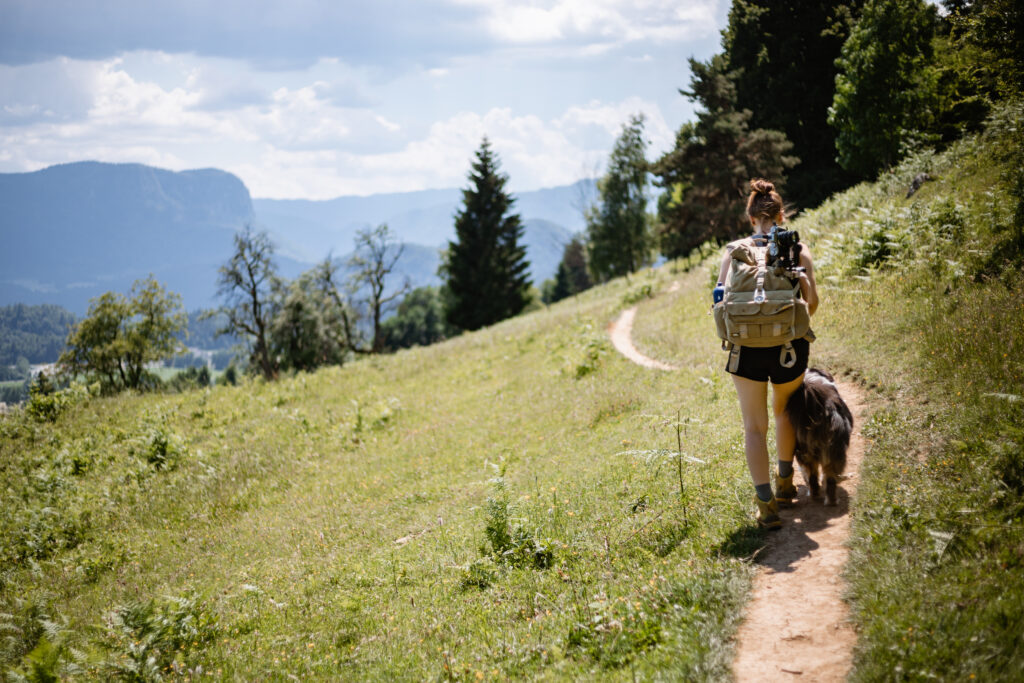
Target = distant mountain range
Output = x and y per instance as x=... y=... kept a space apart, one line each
x=73 y=231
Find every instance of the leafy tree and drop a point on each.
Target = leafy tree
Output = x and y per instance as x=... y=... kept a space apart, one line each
x=706 y=175
x=419 y=320
x=374 y=259
x=313 y=324
x=781 y=57
x=119 y=336
x=485 y=269
x=992 y=33
x=879 y=106
x=617 y=227
x=246 y=284
x=572 y=276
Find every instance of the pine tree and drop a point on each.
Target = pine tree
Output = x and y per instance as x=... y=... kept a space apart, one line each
x=486 y=268
x=617 y=229
x=781 y=57
x=572 y=276
x=706 y=175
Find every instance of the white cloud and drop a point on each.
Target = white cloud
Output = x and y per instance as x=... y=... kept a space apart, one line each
x=299 y=134
x=596 y=21
x=533 y=152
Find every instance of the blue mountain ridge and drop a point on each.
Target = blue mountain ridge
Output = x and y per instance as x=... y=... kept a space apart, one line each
x=73 y=231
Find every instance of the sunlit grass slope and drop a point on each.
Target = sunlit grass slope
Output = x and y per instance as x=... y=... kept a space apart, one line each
x=923 y=301
x=508 y=503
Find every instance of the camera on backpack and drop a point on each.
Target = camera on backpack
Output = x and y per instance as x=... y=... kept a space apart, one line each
x=784 y=251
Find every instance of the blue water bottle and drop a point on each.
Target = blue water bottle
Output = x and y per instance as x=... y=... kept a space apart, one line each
x=718 y=293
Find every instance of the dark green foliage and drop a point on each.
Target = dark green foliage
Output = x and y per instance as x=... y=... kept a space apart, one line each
x=990 y=33
x=618 y=239
x=880 y=104
x=485 y=270
x=33 y=332
x=119 y=336
x=781 y=58
x=706 y=176
x=419 y=321
x=572 y=276
x=312 y=324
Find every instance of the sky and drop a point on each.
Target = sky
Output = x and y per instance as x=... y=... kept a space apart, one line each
x=315 y=99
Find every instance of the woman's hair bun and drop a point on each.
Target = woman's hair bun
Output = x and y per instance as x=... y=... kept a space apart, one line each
x=762 y=186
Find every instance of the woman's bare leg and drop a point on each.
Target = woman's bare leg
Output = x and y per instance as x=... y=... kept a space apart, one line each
x=785 y=438
x=754 y=406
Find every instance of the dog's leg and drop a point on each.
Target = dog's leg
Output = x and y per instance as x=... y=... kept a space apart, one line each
x=830 y=484
x=813 y=480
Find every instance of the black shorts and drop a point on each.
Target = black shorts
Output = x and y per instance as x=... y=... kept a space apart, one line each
x=764 y=364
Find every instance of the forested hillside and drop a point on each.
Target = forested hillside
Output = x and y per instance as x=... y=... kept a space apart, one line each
x=36 y=333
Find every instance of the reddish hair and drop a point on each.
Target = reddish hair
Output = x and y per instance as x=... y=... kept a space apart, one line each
x=764 y=201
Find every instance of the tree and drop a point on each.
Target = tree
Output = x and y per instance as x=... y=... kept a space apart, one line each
x=879 y=106
x=617 y=234
x=313 y=324
x=93 y=346
x=246 y=283
x=992 y=31
x=706 y=175
x=781 y=58
x=572 y=276
x=119 y=336
x=485 y=268
x=419 y=320
x=375 y=257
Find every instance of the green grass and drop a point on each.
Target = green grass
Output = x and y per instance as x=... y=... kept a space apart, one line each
x=336 y=524
x=935 y=325
x=510 y=503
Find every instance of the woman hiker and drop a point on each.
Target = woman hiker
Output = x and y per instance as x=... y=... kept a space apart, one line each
x=753 y=367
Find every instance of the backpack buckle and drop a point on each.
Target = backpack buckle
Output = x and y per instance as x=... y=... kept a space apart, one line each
x=759 y=295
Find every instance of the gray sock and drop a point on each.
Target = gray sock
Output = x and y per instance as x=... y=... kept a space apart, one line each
x=764 y=492
x=785 y=469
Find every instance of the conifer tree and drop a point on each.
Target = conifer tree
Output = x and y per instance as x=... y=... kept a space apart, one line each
x=706 y=175
x=485 y=268
x=617 y=228
x=781 y=57
x=572 y=276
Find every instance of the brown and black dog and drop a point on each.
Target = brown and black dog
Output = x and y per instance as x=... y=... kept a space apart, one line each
x=822 y=423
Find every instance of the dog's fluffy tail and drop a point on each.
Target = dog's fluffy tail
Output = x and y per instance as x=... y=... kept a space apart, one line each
x=842 y=427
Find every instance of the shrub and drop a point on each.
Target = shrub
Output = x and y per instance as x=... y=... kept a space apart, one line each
x=149 y=640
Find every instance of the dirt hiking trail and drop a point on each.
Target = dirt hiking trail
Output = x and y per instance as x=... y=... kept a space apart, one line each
x=796 y=625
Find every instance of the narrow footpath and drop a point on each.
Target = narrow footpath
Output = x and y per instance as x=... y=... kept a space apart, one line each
x=796 y=625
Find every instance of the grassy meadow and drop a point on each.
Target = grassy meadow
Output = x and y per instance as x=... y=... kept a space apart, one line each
x=522 y=502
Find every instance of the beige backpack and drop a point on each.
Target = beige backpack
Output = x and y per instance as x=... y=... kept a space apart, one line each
x=762 y=306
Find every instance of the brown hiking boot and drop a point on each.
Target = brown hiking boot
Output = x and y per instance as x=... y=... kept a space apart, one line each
x=768 y=513
x=785 y=491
